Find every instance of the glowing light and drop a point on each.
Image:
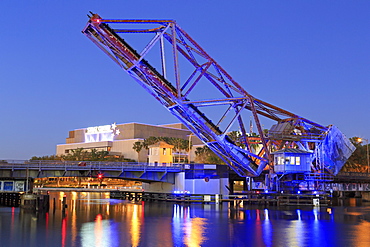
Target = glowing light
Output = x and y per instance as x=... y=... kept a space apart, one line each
x=74 y=195
x=316 y=214
x=266 y=214
x=181 y=192
x=299 y=214
x=101 y=133
x=61 y=195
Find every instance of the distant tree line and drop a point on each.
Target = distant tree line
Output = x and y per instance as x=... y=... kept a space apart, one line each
x=80 y=154
x=357 y=162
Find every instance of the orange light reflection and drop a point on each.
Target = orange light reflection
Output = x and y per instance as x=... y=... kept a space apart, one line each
x=135 y=231
x=194 y=232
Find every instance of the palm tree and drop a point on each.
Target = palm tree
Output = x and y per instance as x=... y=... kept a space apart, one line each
x=236 y=137
x=357 y=162
x=94 y=154
x=137 y=147
x=178 y=145
x=201 y=154
x=207 y=156
x=78 y=154
x=150 y=141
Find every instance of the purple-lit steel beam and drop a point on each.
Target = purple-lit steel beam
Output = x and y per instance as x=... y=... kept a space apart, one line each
x=176 y=96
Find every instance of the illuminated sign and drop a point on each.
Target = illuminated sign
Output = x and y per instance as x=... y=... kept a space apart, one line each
x=99 y=129
x=101 y=133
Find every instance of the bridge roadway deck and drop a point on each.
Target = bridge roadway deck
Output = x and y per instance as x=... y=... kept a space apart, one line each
x=132 y=170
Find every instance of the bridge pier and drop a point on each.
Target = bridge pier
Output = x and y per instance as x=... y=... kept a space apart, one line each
x=180 y=181
x=158 y=187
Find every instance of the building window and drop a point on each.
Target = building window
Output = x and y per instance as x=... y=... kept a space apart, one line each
x=164 y=151
x=280 y=160
x=292 y=160
x=66 y=151
x=297 y=161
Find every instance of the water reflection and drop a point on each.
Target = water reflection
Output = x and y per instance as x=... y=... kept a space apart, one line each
x=187 y=230
x=96 y=233
x=267 y=229
x=64 y=231
x=92 y=219
x=135 y=225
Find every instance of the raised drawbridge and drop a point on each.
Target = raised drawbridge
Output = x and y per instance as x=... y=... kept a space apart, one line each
x=207 y=100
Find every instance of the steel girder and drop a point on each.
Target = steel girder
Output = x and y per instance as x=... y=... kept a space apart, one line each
x=177 y=96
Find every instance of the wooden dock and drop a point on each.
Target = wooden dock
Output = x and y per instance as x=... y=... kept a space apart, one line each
x=273 y=199
x=278 y=199
x=24 y=200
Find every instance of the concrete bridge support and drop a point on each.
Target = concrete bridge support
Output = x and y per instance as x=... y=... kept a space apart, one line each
x=166 y=187
x=158 y=187
x=180 y=181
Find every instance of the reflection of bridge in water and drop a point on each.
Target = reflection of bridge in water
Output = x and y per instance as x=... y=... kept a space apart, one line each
x=123 y=170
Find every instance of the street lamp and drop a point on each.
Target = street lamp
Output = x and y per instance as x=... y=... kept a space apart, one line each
x=367 y=151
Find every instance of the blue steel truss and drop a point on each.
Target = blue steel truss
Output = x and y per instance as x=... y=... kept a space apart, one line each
x=180 y=96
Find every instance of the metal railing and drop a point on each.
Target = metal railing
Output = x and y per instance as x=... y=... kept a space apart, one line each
x=87 y=165
x=318 y=177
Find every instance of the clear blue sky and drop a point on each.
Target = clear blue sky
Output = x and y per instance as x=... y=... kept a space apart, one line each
x=308 y=57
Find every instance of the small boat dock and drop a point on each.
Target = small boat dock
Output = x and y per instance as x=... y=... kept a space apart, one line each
x=274 y=199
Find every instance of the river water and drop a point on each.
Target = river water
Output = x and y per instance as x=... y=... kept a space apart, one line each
x=93 y=219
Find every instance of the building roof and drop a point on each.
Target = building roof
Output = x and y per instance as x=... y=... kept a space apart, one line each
x=291 y=150
x=161 y=144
